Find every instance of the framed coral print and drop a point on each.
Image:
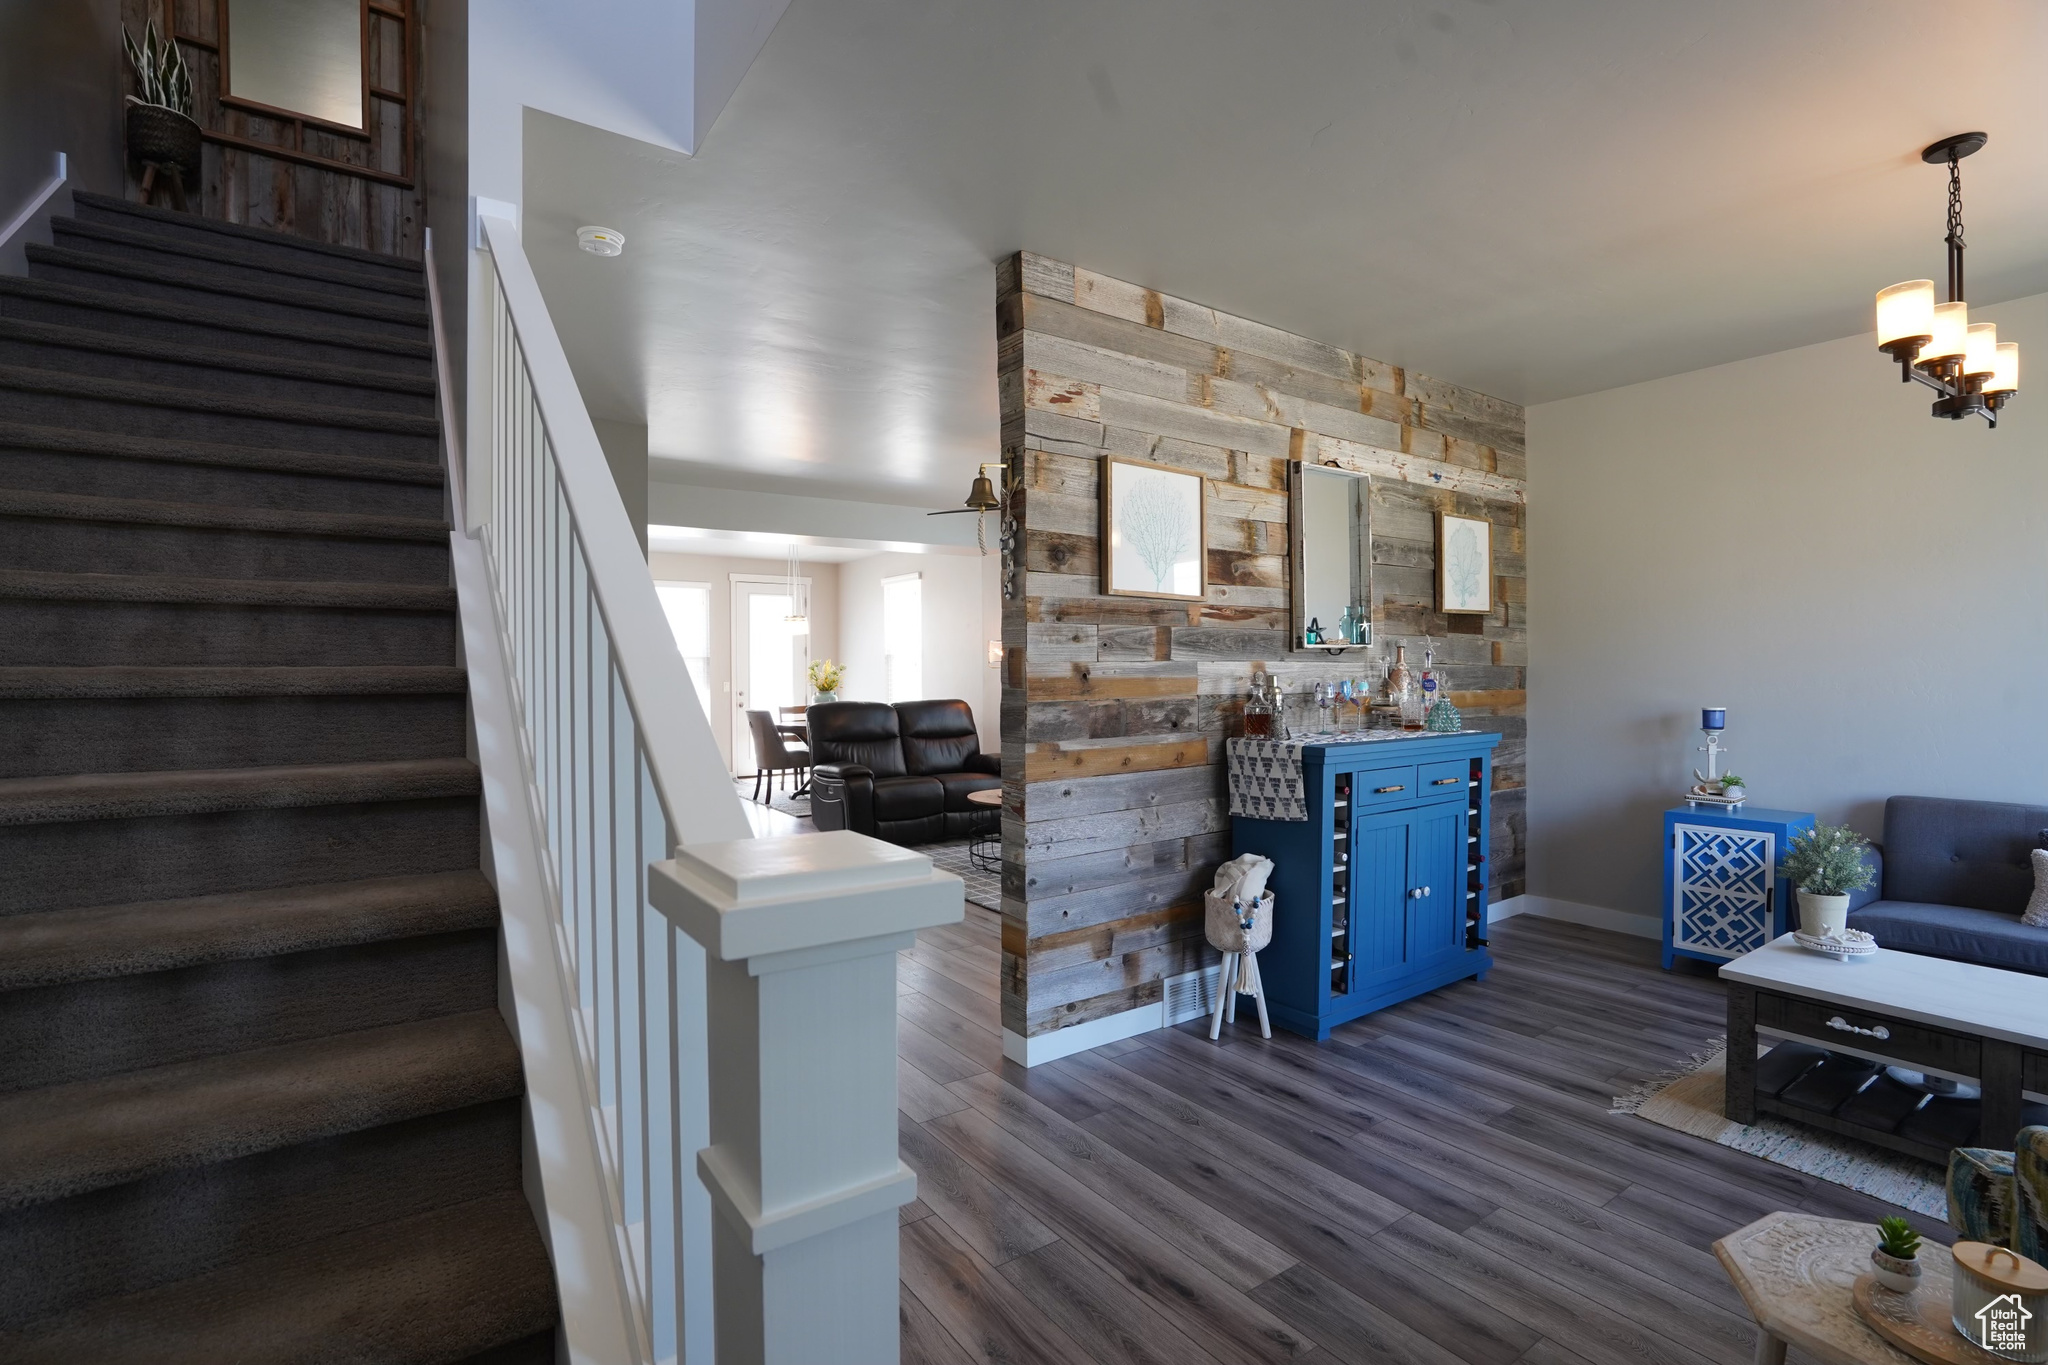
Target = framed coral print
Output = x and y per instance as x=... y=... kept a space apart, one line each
x=1153 y=531
x=1464 y=565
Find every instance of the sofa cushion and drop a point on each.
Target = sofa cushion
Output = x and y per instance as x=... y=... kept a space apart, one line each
x=1987 y=937
x=908 y=798
x=957 y=786
x=938 y=736
x=1967 y=853
x=862 y=732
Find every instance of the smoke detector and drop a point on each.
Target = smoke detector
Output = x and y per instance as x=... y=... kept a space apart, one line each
x=601 y=241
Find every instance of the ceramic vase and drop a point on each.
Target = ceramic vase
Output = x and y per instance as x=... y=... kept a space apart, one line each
x=1823 y=916
x=823 y=697
x=1901 y=1276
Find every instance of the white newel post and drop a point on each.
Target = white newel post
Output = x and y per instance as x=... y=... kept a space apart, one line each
x=801 y=933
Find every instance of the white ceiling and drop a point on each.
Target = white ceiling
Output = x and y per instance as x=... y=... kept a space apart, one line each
x=1536 y=198
x=689 y=540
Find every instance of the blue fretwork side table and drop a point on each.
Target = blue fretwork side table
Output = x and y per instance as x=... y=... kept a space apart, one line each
x=1723 y=896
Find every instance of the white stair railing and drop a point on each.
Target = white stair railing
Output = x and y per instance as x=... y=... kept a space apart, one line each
x=727 y=1003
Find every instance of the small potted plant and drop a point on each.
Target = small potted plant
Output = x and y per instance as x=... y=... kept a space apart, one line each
x=1734 y=788
x=161 y=132
x=1895 y=1260
x=825 y=678
x=1826 y=863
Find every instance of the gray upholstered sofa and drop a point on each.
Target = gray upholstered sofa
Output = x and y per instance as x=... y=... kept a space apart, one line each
x=1953 y=877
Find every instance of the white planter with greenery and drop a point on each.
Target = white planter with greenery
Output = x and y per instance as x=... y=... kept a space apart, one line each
x=1895 y=1260
x=1826 y=863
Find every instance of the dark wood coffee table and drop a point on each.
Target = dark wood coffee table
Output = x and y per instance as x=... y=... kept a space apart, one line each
x=1843 y=1022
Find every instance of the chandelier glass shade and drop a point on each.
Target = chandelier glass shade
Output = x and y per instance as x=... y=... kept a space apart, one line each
x=1935 y=343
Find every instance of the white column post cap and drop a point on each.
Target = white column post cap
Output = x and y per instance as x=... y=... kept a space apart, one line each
x=750 y=898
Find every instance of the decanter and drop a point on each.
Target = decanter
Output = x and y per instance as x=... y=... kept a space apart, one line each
x=1258 y=710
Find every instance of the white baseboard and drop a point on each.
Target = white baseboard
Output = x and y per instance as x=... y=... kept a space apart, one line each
x=1577 y=912
x=1050 y=1047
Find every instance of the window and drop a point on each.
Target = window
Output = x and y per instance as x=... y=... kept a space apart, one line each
x=903 y=636
x=688 y=608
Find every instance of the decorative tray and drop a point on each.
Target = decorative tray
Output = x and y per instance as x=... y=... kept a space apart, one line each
x=1852 y=943
x=1700 y=798
x=1917 y=1324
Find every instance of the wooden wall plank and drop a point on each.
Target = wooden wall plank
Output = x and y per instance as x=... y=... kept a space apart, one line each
x=1116 y=809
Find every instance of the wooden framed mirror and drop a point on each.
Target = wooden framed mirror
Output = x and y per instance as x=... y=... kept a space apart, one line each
x=1329 y=578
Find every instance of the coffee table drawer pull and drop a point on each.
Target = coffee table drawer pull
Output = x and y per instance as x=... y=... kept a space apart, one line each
x=1880 y=1032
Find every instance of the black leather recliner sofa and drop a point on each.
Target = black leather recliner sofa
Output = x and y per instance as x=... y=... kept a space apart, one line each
x=900 y=773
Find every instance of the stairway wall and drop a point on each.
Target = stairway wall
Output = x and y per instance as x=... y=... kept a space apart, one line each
x=60 y=91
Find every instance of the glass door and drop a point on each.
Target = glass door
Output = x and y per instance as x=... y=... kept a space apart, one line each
x=769 y=657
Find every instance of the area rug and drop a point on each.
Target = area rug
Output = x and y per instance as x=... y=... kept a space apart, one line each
x=1689 y=1099
x=983 y=888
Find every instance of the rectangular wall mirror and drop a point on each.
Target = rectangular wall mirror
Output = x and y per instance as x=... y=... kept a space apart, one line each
x=301 y=56
x=1330 y=564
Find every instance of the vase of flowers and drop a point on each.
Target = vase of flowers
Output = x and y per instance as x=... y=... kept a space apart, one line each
x=1895 y=1260
x=825 y=678
x=1826 y=863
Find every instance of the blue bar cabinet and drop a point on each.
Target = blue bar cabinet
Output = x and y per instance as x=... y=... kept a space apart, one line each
x=1381 y=893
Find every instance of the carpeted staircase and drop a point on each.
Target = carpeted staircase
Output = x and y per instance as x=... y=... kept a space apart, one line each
x=257 y=1102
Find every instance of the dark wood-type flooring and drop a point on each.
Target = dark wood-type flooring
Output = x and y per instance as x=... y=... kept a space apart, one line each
x=1440 y=1182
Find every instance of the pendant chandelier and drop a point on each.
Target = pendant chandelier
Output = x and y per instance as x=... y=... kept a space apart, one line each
x=1936 y=343
x=797 y=622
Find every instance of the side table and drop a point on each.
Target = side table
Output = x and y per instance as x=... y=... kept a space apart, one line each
x=1723 y=896
x=986 y=852
x=1797 y=1275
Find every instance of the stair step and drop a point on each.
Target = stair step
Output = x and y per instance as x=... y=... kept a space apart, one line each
x=34 y=585
x=78 y=1031
x=155 y=936
x=139 y=681
x=104 y=862
x=149 y=279
x=230 y=258
x=435 y=1288
x=76 y=533
x=74 y=735
x=152 y=512
x=116 y=355
x=170 y=223
x=130 y=796
x=206 y=323
x=64 y=1140
x=80 y=619
x=95 y=402
x=271 y=459
x=59 y=1256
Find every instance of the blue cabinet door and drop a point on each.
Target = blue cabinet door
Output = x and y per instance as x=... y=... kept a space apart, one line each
x=1436 y=856
x=1379 y=894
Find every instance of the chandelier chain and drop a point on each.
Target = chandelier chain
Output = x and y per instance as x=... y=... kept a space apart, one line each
x=1955 y=200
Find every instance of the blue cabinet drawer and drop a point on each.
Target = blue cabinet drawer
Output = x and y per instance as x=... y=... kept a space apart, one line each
x=1378 y=788
x=1435 y=781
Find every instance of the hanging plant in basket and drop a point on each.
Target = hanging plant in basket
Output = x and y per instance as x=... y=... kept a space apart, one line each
x=161 y=132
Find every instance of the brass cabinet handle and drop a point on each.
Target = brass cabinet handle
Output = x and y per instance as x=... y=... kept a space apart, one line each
x=1384 y=790
x=1443 y=782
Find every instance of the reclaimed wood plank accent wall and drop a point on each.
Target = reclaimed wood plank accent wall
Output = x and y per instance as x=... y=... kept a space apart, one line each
x=1115 y=709
x=269 y=168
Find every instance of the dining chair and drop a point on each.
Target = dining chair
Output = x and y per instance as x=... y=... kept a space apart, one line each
x=773 y=754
